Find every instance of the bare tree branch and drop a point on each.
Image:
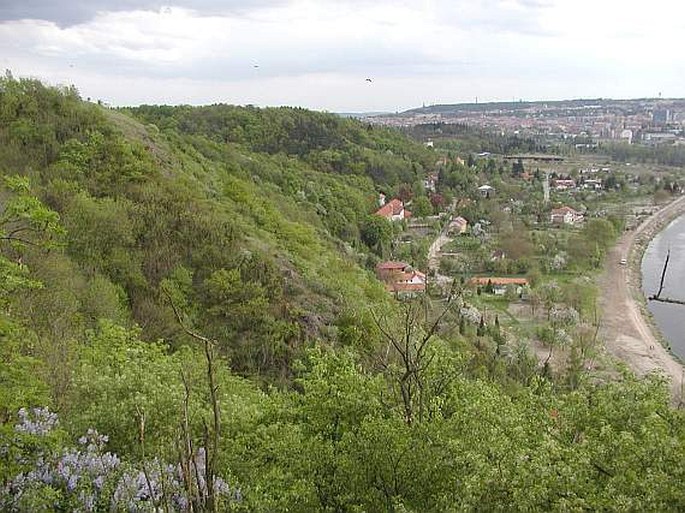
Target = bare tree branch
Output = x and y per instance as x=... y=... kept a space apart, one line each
x=663 y=274
x=657 y=296
x=10 y=238
x=210 y=452
x=410 y=340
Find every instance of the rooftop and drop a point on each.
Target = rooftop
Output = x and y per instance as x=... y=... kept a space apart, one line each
x=497 y=280
x=390 y=265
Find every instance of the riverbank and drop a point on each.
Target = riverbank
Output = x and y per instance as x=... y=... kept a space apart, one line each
x=627 y=328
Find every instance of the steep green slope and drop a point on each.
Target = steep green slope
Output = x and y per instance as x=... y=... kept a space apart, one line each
x=251 y=218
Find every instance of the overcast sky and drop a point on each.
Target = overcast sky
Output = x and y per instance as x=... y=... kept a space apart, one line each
x=318 y=54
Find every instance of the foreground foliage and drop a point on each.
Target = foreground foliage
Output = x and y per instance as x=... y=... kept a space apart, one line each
x=254 y=224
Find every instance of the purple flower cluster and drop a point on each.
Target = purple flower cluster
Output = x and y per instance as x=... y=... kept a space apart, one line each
x=79 y=473
x=88 y=479
x=139 y=490
x=38 y=421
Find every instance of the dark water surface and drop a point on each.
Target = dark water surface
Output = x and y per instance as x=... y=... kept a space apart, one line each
x=669 y=318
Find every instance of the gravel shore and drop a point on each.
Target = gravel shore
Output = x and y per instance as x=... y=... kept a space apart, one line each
x=627 y=328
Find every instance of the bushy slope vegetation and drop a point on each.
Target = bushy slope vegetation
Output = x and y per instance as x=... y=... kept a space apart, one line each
x=252 y=241
x=312 y=391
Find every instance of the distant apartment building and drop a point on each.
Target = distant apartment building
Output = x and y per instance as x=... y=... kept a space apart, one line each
x=654 y=138
x=661 y=116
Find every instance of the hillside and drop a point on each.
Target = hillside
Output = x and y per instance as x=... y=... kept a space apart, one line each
x=189 y=322
x=262 y=209
x=552 y=106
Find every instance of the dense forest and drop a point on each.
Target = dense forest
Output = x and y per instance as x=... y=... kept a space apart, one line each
x=669 y=155
x=470 y=139
x=189 y=322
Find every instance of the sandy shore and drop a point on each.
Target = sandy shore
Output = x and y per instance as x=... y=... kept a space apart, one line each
x=626 y=328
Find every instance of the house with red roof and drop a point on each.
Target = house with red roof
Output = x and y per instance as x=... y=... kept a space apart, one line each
x=565 y=215
x=498 y=284
x=564 y=184
x=394 y=210
x=400 y=278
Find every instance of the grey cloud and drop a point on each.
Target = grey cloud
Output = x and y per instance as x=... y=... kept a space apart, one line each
x=72 y=12
x=498 y=16
x=363 y=58
x=494 y=15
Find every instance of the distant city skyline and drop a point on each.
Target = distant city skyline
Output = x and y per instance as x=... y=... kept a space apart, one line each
x=347 y=56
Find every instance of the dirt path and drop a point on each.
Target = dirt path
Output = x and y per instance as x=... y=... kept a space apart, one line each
x=434 y=251
x=627 y=334
x=434 y=257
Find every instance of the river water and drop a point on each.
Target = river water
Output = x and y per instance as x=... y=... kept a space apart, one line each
x=669 y=318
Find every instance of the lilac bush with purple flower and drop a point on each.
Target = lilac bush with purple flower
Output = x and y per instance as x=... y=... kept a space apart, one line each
x=38 y=421
x=86 y=478
x=155 y=483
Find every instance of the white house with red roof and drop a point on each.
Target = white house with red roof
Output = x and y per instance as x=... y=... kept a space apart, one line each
x=401 y=278
x=499 y=284
x=565 y=215
x=394 y=210
x=564 y=184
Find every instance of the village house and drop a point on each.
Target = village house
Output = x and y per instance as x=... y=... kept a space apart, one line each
x=595 y=184
x=394 y=210
x=499 y=285
x=430 y=182
x=400 y=278
x=497 y=255
x=589 y=171
x=562 y=185
x=486 y=190
x=565 y=215
x=457 y=226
